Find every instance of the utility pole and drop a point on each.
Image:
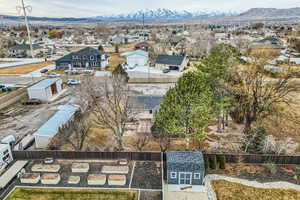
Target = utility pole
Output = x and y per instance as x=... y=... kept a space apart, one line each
x=23 y=9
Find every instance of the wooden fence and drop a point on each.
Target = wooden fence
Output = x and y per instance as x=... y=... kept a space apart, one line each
x=81 y=155
x=257 y=158
x=152 y=156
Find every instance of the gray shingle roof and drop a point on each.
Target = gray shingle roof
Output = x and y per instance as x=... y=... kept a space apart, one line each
x=147 y=102
x=83 y=52
x=170 y=59
x=184 y=157
x=25 y=47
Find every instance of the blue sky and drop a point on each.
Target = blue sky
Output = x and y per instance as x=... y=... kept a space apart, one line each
x=87 y=8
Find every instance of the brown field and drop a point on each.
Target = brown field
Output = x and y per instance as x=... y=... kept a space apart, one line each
x=24 y=69
x=114 y=60
x=233 y=191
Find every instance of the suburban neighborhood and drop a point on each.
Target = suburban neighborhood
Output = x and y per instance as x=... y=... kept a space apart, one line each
x=156 y=104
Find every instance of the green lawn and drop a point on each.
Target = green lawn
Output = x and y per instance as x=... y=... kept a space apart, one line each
x=72 y=194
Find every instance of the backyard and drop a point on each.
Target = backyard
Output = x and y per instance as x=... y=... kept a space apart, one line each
x=234 y=191
x=64 y=194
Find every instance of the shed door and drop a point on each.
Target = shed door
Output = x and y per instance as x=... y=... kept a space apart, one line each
x=185 y=178
x=53 y=88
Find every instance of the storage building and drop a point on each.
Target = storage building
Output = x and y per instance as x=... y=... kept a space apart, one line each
x=46 y=89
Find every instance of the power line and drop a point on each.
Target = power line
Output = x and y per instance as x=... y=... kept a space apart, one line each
x=23 y=9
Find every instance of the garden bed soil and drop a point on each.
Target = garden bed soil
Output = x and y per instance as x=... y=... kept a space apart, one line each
x=147 y=175
x=80 y=167
x=117 y=180
x=261 y=173
x=96 y=179
x=49 y=179
x=115 y=169
x=45 y=168
x=74 y=179
x=30 y=178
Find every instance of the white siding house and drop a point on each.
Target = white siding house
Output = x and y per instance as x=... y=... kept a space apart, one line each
x=45 y=89
x=138 y=58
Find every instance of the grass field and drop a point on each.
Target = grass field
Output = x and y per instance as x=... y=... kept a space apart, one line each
x=233 y=191
x=63 y=194
x=24 y=69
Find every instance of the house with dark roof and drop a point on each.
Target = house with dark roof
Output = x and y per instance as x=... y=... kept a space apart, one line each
x=84 y=58
x=172 y=62
x=185 y=171
x=23 y=50
x=269 y=42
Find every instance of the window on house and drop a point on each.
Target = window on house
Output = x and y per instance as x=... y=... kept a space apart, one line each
x=173 y=174
x=197 y=175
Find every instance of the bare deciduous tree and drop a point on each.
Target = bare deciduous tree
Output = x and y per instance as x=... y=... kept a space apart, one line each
x=107 y=100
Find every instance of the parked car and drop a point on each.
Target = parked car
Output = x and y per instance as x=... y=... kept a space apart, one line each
x=73 y=82
x=32 y=102
x=54 y=75
x=44 y=71
x=6 y=89
x=167 y=70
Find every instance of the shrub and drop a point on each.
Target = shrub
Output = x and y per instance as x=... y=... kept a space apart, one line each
x=222 y=161
x=206 y=162
x=254 y=141
x=272 y=168
x=213 y=164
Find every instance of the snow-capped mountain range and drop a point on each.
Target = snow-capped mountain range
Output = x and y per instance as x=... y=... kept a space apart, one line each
x=163 y=14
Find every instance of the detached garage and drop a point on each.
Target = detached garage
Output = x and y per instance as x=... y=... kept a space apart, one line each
x=46 y=89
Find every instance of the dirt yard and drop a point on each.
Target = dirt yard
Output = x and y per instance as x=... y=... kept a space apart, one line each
x=24 y=69
x=233 y=191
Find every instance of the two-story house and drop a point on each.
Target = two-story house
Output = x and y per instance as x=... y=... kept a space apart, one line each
x=84 y=58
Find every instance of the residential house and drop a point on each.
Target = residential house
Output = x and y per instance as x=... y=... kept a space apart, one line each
x=23 y=50
x=172 y=62
x=118 y=39
x=142 y=46
x=84 y=58
x=270 y=42
x=137 y=58
x=185 y=171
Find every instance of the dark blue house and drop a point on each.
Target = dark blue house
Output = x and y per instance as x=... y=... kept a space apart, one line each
x=185 y=171
x=84 y=58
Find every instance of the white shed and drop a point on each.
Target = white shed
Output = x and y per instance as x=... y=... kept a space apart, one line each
x=46 y=132
x=45 y=89
x=136 y=58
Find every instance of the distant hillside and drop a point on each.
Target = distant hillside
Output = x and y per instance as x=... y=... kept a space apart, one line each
x=271 y=13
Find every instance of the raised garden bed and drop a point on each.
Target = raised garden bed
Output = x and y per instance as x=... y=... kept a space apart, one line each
x=30 y=178
x=115 y=169
x=80 y=167
x=50 y=179
x=96 y=179
x=74 y=180
x=45 y=168
x=117 y=180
